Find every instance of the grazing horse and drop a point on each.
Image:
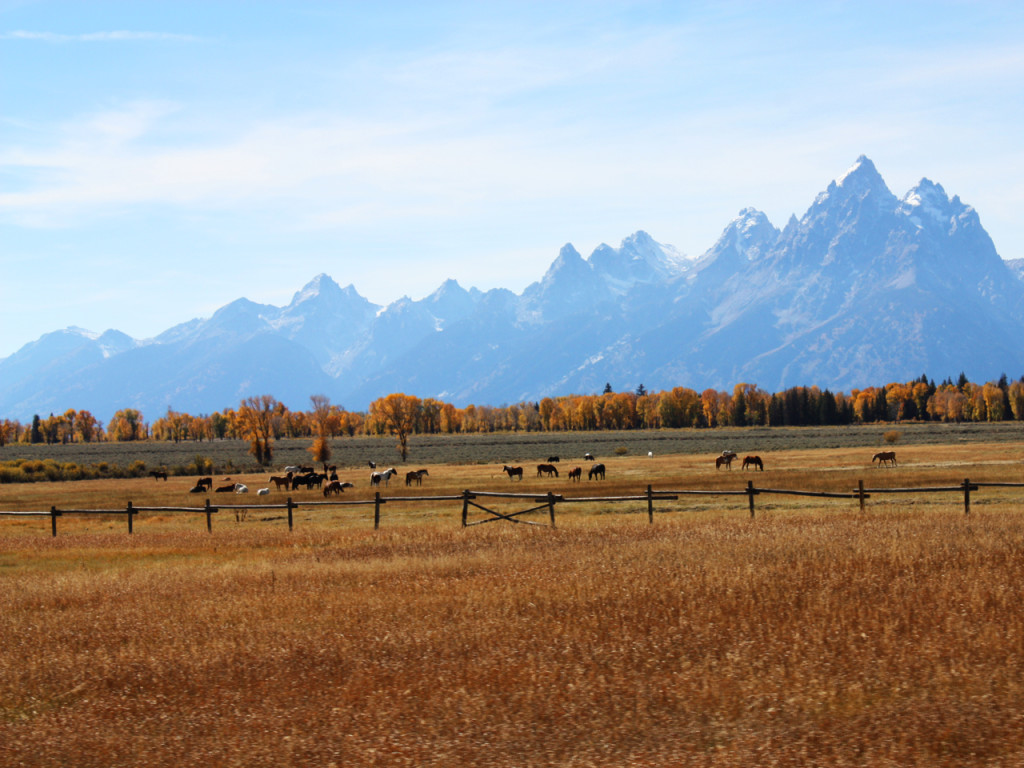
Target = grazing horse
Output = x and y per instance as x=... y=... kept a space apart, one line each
x=373 y=464
x=416 y=476
x=552 y=459
x=753 y=462
x=884 y=457
x=158 y=474
x=596 y=471
x=576 y=473
x=513 y=472
x=281 y=482
x=204 y=482
x=724 y=460
x=336 y=488
x=376 y=477
x=588 y=457
x=547 y=470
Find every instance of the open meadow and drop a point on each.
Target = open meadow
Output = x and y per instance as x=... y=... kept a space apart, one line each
x=813 y=633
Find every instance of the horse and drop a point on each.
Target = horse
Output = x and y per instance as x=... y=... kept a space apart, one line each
x=884 y=457
x=724 y=460
x=552 y=459
x=576 y=473
x=336 y=488
x=547 y=470
x=225 y=488
x=373 y=464
x=596 y=471
x=376 y=477
x=158 y=474
x=197 y=488
x=204 y=482
x=513 y=472
x=588 y=457
x=752 y=462
x=309 y=480
x=415 y=476
x=239 y=488
x=280 y=482
x=262 y=491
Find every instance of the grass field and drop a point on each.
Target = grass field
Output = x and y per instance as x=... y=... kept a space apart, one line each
x=813 y=634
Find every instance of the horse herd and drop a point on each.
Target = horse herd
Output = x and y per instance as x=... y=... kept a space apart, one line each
x=327 y=481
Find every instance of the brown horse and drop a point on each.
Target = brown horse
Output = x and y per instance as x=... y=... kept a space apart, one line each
x=416 y=476
x=158 y=474
x=336 y=488
x=725 y=460
x=754 y=462
x=576 y=473
x=281 y=482
x=204 y=482
x=596 y=472
x=513 y=472
x=547 y=470
x=884 y=457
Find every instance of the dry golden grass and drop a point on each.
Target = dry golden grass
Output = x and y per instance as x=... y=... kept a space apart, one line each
x=812 y=635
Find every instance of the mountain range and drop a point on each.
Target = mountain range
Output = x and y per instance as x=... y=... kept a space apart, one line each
x=864 y=289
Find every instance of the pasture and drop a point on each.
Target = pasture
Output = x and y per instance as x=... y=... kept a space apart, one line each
x=813 y=634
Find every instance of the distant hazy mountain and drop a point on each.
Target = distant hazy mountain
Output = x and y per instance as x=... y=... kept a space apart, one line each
x=865 y=288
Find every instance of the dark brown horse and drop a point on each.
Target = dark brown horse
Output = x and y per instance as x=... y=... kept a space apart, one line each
x=415 y=476
x=513 y=472
x=754 y=462
x=547 y=470
x=205 y=482
x=596 y=472
x=158 y=474
x=884 y=457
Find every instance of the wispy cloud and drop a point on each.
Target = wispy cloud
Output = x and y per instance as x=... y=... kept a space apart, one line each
x=118 y=35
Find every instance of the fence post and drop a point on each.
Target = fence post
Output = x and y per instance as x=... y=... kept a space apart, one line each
x=53 y=520
x=551 y=507
x=376 y=510
x=131 y=514
x=465 y=508
x=209 y=517
x=750 y=497
x=967 y=496
x=650 y=505
x=291 y=519
x=860 y=493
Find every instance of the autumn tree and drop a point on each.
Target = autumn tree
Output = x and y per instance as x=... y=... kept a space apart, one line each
x=397 y=414
x=254 y=421
x=322 y=416
x=126 y=425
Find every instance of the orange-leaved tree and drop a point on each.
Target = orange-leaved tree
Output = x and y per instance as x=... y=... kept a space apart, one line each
x=398 y=414
x=254 y=421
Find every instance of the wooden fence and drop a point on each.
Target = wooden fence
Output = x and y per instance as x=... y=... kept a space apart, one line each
x=541 y=502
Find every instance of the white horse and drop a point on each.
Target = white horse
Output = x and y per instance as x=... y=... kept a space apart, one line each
x=376 y=477
x=239 y=488
x=263 y=492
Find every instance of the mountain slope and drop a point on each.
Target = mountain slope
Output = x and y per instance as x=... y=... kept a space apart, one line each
x=864 y=288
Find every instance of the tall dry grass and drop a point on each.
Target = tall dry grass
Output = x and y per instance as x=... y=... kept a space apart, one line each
x=811 y=635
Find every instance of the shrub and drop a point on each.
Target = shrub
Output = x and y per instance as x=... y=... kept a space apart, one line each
x=621 y=450
x=892 y=436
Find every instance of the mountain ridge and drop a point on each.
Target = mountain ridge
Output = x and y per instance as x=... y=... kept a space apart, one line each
x=864 y=288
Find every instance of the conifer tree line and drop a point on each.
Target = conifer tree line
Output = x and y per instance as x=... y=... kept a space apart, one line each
x=262 y=419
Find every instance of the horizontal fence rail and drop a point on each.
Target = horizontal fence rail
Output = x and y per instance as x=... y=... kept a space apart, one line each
x=540 y=501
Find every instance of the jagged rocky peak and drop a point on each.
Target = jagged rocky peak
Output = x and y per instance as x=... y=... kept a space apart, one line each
x=748 y=236
x=639 y=258
x=861 y=181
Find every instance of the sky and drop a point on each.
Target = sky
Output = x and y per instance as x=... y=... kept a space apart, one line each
x=159 y=160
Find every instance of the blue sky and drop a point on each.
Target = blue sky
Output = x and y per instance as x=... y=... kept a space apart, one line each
x=160 y=159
